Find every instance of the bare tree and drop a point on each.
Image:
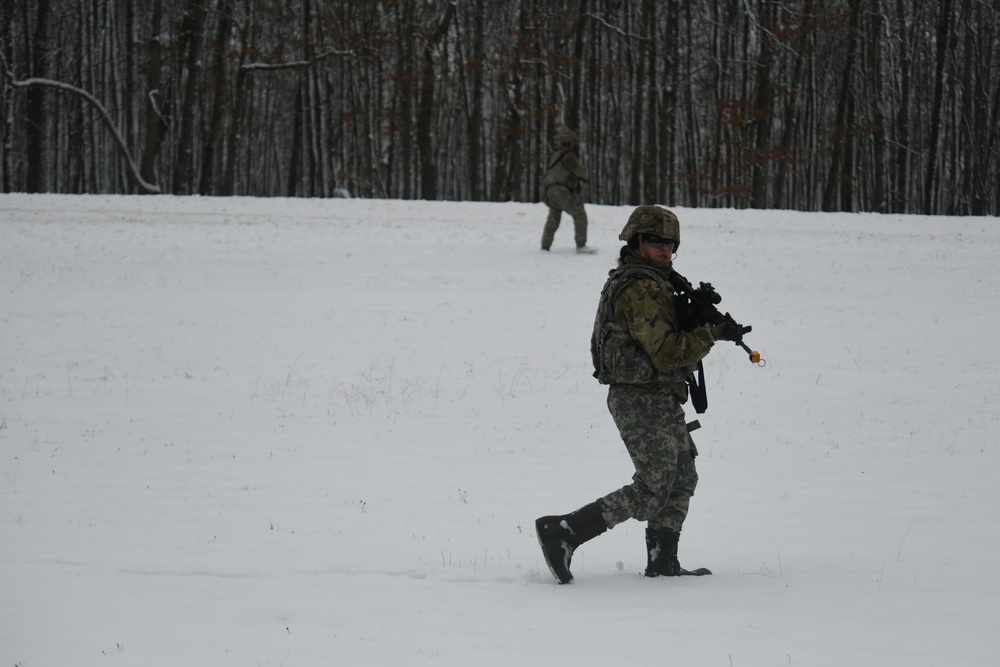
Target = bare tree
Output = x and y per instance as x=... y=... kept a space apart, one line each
x=192 y=39
x=941 y=43
x=213 y=136
x=155 y=122
x=792 y=104
x=425 y=112
x=838 y=188
x=37 y=111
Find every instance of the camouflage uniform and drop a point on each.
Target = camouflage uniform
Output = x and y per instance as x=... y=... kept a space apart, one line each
x=640 y=350
x=562 y=191
x=645 y=346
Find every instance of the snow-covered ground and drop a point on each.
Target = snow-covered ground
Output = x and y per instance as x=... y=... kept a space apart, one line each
x=318 y=432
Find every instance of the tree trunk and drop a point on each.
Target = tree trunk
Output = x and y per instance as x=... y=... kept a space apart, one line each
x=212 y=138
x=474 y=120
x=572 y=112
x=191 y=41
x=7 y=99
x=404 y=78
x=36 y=112
x=425 y=113
x=763 y=110
x=155 y=122
x=652 y=146
x=671 y=150
x=975 y=107
x=637 y=77
x=901 y=160
x=879 y=195
x=235 y=134
x=838 y=172
x=943 y=35
x=295 y=158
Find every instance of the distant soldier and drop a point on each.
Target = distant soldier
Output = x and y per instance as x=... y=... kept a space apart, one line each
x=563 y=176
x=643 y=350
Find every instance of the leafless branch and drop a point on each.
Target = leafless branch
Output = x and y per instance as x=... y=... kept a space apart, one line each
x=614 y=28
x=299 y=64
x=104 y=115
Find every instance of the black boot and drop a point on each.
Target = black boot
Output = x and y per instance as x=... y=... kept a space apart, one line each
x=661 y=555
x=559 y=536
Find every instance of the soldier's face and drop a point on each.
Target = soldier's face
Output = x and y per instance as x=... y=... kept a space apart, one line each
x=661 y=255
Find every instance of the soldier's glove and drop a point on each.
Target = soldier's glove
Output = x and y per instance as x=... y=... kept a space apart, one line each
x=726 y=331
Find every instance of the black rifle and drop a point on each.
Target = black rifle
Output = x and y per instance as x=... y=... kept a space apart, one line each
x=703 y=302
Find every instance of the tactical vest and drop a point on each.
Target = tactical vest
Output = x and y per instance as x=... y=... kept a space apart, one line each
x=617 y=357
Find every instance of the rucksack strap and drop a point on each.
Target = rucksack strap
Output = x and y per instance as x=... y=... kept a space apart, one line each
x=557 y=157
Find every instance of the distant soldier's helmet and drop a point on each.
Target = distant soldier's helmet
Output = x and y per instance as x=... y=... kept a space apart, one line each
x=567 y=137
x=652 y=220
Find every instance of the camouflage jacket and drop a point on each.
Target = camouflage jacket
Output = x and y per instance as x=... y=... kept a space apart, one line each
x=638 y=337
x=564 y=169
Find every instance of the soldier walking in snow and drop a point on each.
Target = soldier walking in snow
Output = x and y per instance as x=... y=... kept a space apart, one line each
x=645 y=348
x=563 y=177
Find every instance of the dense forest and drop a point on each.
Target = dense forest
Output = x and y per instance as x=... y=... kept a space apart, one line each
x=839 y=105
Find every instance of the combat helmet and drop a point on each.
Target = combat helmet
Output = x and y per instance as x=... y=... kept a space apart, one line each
x=653 y=220
x=567 y=137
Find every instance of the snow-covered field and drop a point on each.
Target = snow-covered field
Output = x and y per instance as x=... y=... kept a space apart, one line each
x=318 y=432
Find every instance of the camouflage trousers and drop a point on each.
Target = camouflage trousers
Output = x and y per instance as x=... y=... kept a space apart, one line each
x=653 y=427
x=559 y=199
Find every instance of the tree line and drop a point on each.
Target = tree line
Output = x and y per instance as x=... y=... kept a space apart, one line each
x=840 y=105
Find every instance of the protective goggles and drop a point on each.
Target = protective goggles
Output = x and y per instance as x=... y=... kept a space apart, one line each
x=658 y=242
